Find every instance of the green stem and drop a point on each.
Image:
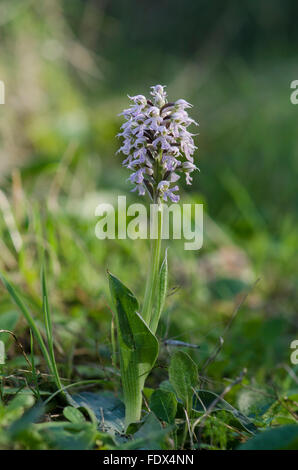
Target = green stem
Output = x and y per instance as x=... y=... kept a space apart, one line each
x=132 y=391
x=152 y=279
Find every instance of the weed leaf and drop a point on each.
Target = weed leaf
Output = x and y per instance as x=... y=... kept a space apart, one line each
x=74 y=415
x=183 y=374
x=164 y=405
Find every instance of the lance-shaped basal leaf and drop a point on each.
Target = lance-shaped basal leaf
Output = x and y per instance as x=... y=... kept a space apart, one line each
x=183 y=375
x=164 y=405
x=138 y=348
x=161 y=294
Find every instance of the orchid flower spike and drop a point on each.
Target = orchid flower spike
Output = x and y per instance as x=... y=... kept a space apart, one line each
x=157 y=145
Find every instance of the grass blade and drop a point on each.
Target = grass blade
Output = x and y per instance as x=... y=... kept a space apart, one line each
x=48 y=327
x=34 y=373
x=17 y=300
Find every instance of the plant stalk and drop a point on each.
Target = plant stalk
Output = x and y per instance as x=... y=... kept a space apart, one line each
x=132 y=393
x=154 y=267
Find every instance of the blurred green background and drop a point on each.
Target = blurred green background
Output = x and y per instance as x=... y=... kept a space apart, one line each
x=68 y=67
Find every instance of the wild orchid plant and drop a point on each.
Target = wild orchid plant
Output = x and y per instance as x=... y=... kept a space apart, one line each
x=158 y=148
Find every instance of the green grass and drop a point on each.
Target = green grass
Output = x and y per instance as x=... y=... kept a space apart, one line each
x=71 y=349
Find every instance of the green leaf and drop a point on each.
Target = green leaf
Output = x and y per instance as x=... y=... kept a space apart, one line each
x=69 y=436
x=161 y=293
x=150 y=435
x=29 y=417
x=183 y=374
x=21 y=402
x=127 y=306
x=164 y=405
x=108 y=409
x=166 y=386
x=49 y=330
x=202 y=400
x=138 y=348
x=74 y=415
x=282 y=438
x=151 y=425
x=254 y=403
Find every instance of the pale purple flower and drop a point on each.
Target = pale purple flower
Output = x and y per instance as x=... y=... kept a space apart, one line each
x=166 y=191
x=170 y=163
x=138 y=176
x=140 y=188
x=157 y=144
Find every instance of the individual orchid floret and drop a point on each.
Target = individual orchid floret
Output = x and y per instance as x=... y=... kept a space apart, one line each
x=157 y=144
x=165 y=191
